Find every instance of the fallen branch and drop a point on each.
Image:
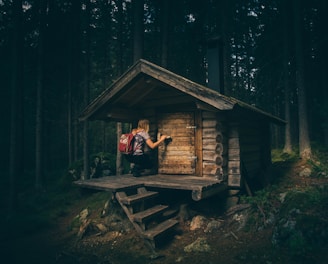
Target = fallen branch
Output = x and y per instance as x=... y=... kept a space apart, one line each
x=233 y=234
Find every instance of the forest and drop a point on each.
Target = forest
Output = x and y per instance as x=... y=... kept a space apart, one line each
x=57 y=56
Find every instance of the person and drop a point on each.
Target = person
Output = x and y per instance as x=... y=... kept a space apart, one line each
x=141 y=158
x=96 y=168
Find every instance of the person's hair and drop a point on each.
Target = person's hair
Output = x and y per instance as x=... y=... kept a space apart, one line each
x=144 y=124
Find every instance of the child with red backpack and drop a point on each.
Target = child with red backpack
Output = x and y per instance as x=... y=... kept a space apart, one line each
x=139 y=157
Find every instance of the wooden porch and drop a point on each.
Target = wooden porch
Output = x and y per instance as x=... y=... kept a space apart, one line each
x=200 y=187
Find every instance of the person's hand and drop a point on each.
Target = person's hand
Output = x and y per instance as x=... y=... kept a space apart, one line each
x=163 y=137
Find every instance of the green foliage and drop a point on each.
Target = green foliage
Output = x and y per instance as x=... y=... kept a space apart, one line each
x=278 y=155
x=319 y=162
x=301 y=223
x=261 y=198
x=297 y=244
x=264 y=203
x=108 y=161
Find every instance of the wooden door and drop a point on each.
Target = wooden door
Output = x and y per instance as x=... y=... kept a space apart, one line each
x=178 y=155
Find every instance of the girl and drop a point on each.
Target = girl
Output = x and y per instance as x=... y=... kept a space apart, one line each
x=140 y=158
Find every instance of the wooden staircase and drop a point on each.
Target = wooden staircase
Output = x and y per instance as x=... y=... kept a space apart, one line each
x=149 y=219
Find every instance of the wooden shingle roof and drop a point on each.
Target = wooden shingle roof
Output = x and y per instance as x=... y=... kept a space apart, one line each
x=147 y=85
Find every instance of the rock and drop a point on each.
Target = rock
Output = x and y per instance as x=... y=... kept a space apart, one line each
x=184 y=213
x=200 y=245
x=105 y=210
x=212 y=226
x=83 y=228
x=241 y=218
x=197 y=222
x=282 y=197
x=84 y=214
x=102 y=228
x=306 y=172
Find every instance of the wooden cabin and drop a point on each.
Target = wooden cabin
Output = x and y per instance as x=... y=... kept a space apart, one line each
x=214 y=137
x=217 y=142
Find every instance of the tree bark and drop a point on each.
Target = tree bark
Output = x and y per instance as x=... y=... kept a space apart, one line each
x=39 y=152
x=119 y=161
x=138 y=15
x=86 y=91
x=304 y=140
x=225 y=13
x=288 y=142
x=323 y=53
x=16 y=165
x=165 y=7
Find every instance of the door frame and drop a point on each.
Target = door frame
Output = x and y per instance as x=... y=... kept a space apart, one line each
x=199 y=143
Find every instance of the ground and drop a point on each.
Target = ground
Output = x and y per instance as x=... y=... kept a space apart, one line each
x=233 y=242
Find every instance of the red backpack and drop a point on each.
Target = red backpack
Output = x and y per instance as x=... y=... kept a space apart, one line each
x=126 y=144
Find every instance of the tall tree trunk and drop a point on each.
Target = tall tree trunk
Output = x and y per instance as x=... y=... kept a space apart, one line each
x=288 y=142
x=39 y=152
x=225 y=30
x=69 y=119
x=120 y=36
x=138 y=15
x=323 y=54
x=86 y=90
x=304 y=140
x=119 y=157
x=73 y=79
x=165 y=7
x=16 y=165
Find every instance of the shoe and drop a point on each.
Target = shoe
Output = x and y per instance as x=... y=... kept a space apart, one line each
x=147 y=172
x=136 y=173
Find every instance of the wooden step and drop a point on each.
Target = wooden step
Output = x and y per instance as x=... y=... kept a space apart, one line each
x=142 y=216
x=131 y=199
x=160 y=229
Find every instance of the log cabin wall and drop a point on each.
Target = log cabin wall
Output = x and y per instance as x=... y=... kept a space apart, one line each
x=234 y=161
x=214 y=140
x=255 y=149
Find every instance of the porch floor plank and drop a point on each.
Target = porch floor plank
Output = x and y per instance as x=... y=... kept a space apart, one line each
x=121 y=182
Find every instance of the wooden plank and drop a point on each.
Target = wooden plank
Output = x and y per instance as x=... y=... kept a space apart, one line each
x=131 y=199
x=199 y=195
x=177 y=133
x=210 y=123
x=234 y=167
x=208 y=132
x=177 y=147
x=175 y=170
x=234 y=180
x=108 y=186
x=233 y=132
x=208 y=141
x=216 y=148
x=176 y=154
x=175 y=162
x=142 y=216
x=211 y=169
x=160 y=229
x=209 y=114
x=233 y=143
x=176 y=115
x=212 y=157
